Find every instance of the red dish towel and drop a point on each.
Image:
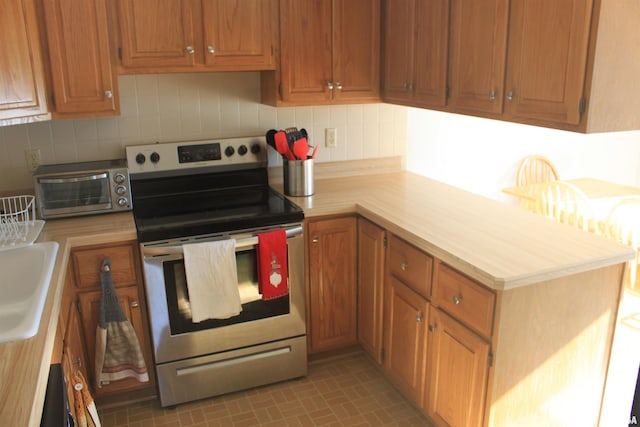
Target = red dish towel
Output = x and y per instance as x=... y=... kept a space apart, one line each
x=272 y=264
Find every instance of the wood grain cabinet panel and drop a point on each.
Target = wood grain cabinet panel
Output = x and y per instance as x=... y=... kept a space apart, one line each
x=478 y=55
x=194 y=35
x=332 y=284
x=412 y=266
x=416 y=46
x=371 y=269
x=79 y=52
x=124 y=264
x=22 y=87
x=329 y=53
x=406 y=316
x=457 y=373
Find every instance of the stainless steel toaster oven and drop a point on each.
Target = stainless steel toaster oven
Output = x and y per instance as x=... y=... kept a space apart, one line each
x=86 y=188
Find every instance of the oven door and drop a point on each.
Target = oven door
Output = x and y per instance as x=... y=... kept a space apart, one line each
x=176 y=337
x=73 y=194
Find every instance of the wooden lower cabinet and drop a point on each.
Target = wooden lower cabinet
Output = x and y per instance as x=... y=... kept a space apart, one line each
x=371 y=251
x=457 y=372
x=405 y=339
x=80 y=337
x=332 y=314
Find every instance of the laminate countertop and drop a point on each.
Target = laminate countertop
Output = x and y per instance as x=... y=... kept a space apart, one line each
x=499 y=245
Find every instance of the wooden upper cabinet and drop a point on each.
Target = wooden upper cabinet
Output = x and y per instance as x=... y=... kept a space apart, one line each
x=22 y=87
x=548 y=45
x=416 y=52
x=329 y=52
x=156 y=33
x=478 y=55
x=194 y=35
x=236 y=32
x=81 y=72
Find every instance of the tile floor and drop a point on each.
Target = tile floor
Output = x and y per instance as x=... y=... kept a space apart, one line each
x=349 y=391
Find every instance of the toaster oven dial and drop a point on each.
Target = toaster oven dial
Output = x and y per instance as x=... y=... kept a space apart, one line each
x=119 y=178
x=121 y=189
x=122 y=202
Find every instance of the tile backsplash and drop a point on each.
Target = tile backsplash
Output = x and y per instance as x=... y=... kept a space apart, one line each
x=177 y=107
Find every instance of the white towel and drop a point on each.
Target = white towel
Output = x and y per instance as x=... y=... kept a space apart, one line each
x=212 y=280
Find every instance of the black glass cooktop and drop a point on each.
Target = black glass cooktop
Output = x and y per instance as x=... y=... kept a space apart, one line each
x=194 y=205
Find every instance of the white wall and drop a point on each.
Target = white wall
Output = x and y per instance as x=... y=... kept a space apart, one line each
x=177 y=107
x=482 y=155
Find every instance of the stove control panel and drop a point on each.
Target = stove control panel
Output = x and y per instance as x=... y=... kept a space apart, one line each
x=171 y=157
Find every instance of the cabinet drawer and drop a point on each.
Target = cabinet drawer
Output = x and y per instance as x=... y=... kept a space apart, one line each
x=468 y=301
x=88 y=260
x=412 y=266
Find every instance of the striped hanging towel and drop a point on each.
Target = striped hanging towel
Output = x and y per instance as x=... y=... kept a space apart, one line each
x=118 y=353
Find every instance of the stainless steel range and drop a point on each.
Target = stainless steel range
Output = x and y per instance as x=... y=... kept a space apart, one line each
x=207 y=191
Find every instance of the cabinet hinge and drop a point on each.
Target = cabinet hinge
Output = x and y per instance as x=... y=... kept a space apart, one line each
x=384 y=241
x=382 y=355
x=490 y=359
x=583 y=105
x=446 y=92
x=78 y=306
x=120 y=53
x=280 y=89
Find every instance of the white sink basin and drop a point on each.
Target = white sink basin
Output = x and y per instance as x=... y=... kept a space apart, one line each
x=25 y=274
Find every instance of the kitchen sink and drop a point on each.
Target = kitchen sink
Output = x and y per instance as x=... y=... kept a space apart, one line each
x=25 y=275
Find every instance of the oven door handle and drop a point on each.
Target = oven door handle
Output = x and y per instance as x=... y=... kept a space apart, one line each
x=93 y=177
x=240 y=244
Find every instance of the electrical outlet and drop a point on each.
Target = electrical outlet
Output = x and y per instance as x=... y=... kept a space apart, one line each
x=32 y=156
x=330 y=137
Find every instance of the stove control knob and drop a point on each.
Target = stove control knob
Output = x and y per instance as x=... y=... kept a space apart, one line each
x=255 y=148
x=242 y=150
x=155 y=157
x=229 y=151
x=118 y=178
x=140 y=158
x=122 y=202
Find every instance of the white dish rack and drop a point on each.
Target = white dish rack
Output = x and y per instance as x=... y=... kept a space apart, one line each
x=18 y=226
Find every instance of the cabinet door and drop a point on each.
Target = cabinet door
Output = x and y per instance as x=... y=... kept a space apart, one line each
x=478 y=55
x=399 y=40
x=132 y=307
x=458 y=368
x=356 y=50
x=370 y=287
x=156 y=33
x=548 y=43
x=74 y=356
x=80 y=56
x=431 y=53
x=405 y=339
x=238 y=33
x=305 y=63
x=125 y=261
x=22 y=89
x=332 y=283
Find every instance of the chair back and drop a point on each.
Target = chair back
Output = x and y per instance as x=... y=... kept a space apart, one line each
x=535 y=169
x=623 y=225
x=565 y=203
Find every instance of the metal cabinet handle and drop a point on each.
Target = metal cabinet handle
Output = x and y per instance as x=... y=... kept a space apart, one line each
x=190 y=50
x=210 y=49
x=432 y=328
x=408 y=87
x=492 y=95
x=338 y=85
x=330 y=86
x=404 y=266
x=419 y=317
x=457 y=299
x=135 y=304
x=108 y=94
x=510 y=95
x=315 y=239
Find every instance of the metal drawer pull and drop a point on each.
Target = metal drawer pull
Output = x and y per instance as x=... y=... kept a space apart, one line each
x=432 y=328
x=135 y=304
x=190 y=50
x=210 y=49
x=404 y=266
x=457 y=299
x=419 y=317
x=315 y=239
